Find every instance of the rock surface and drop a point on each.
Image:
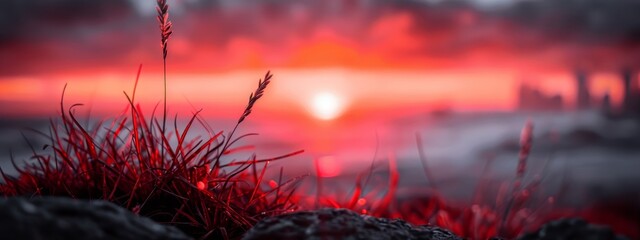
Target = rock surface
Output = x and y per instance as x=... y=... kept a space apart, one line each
x=569 y=229
x=327 y=224
x=69 y=219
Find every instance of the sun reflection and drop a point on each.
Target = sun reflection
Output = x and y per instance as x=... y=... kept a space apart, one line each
x=328 y=166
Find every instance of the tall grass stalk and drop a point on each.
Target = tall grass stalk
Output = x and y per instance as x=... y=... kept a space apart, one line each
x=165 y=33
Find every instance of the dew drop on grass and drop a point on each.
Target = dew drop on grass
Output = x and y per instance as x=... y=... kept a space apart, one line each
x=201 y=185
x=273 y=184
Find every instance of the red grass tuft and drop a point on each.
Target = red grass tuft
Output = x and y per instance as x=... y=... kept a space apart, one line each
x=512 y=214
x=190 y=185
x=134 y=162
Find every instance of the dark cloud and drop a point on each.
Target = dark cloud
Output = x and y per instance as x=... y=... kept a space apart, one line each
x=587 y=21
x=564 y=33
x=51 y=35
x=20 y=19
x=48 y=35
x=592 y=33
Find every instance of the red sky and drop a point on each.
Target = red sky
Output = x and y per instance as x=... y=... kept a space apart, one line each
x=374 y=56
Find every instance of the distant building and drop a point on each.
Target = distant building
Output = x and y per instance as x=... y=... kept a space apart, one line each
x=583 y=100
x=532 y=99
x=631 y=101
x=606 y=107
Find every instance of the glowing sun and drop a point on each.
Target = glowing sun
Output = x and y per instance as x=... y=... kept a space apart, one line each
x=326 y=106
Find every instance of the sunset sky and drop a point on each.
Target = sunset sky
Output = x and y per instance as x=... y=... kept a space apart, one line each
x=369 y=56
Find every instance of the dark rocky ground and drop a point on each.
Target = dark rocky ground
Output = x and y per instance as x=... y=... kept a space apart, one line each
x=69 y=219
x=344 y=224
x=341 y=224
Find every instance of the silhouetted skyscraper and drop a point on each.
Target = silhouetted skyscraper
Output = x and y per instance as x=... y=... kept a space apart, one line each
x=583 y=100
x=630 y=90
x=606 y=104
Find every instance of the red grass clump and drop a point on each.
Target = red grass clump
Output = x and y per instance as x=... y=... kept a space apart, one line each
x=158 y=172
x=512 y=212
x=518 y=207
x=190 y=186
x=167 y=175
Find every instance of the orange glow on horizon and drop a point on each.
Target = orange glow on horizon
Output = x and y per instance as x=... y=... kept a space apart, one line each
x=366 y=91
